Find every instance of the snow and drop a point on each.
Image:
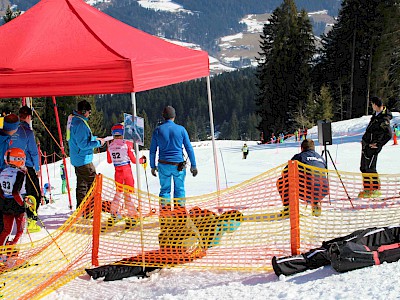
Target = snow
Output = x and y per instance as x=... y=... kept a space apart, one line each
x=378 y=282
x=164 y=5
x=231 y=37
x=253 y=25
x=320 y=12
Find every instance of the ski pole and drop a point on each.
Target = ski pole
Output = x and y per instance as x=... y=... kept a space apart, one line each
x=153 y=210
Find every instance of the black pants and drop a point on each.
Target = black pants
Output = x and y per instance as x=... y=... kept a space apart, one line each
x=85 y=176
x=32 y=187
x=369 y=159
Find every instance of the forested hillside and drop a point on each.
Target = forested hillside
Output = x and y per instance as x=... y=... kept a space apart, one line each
x=233 y=96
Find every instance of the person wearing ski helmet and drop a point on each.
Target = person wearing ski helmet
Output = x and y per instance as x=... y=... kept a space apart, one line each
x=120 y=153
x=11 y=201
x=10 y=127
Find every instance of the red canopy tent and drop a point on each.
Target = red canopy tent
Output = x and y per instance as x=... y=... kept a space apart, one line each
x=67 y=47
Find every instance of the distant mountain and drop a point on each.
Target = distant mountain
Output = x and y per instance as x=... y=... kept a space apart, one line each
x=214 y=25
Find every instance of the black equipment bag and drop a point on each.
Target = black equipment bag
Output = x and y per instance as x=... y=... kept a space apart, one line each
x=290 y=265
x=350 y=256
x=361 y=248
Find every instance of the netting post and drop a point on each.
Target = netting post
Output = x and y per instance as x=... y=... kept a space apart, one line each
x=97 y=220
x=293 y=177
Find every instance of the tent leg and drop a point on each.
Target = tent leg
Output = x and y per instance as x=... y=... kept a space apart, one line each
x=213 y=140
x=134 y=114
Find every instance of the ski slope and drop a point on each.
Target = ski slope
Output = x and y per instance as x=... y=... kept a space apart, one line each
x=378 y=282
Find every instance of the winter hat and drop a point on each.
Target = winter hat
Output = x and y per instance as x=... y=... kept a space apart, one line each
x=11 y=122
x=168 y=112
x=84 y=106
x=117 y=129
x=25 y=111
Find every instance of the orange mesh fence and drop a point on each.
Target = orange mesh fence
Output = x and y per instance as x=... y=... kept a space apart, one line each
x=286 y=210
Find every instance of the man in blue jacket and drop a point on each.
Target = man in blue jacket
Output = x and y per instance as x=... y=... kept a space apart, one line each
x=168 y=138
x=81 y=144
x=10 y=127
x=24 y=139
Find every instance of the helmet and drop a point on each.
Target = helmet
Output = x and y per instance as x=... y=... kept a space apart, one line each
x=15 y=157
x=117 y=129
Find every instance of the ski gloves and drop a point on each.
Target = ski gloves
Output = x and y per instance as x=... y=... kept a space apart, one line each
x=193 y=170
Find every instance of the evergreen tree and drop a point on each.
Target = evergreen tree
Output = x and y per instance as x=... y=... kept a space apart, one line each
x=305 y=114
x=325 y=107
x=225 y=131
x=359 y=53
x=283 y=69
x=385 y=69
x=10 y=15
x=148 y=130
x=234 y=127
x=96 y=117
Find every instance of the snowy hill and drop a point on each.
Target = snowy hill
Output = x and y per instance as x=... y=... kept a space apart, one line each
x=179 y=283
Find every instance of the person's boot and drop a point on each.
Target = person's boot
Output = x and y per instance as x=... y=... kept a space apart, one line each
x=130 y=223
x=316 y=209
x=284 y=212
x=111 y=221
x=32 y=226
x=376 y=194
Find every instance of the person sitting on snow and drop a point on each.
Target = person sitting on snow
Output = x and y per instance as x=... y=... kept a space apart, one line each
x=46 y=193
x=314 y=185
x=121 y=154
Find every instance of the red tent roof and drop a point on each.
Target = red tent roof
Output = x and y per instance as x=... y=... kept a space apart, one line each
x=67 y=47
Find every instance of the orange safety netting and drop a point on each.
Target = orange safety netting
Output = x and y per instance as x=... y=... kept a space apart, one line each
x=240 y=228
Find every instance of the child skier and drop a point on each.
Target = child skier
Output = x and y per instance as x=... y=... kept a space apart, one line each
x=120 y=153
x=11 y=202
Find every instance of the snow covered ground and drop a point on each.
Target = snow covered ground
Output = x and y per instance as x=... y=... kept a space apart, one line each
x=378 y=282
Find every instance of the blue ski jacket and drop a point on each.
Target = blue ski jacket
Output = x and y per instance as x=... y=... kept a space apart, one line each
x=168 y=138
x=4 y=146
x=81 y=141
x=24 y=139
x=311 y=158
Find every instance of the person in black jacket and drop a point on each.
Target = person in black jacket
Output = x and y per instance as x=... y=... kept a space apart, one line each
x=377 y=134
x=313 y=184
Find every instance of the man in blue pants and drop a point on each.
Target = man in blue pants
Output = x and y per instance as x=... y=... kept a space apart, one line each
x=168 y=138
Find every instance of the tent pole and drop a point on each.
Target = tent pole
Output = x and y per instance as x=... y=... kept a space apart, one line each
x=134 y=114
x=213 y=138
x=62 y=149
